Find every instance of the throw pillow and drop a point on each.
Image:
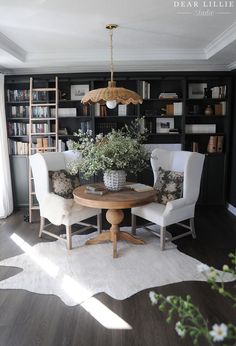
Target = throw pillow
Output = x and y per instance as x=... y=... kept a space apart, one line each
x=63 y=183
x=169 y=185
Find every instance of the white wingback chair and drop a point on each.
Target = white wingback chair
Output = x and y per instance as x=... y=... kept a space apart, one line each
x=56 y=209
x=191 y=164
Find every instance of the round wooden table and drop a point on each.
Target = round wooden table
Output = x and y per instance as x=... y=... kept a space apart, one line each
x=114 y=202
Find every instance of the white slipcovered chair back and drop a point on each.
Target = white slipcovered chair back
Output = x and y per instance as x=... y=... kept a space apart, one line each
x=41 y=164
x=181 y=161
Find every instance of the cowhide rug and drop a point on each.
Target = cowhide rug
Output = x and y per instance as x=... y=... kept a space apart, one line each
x=76 y=275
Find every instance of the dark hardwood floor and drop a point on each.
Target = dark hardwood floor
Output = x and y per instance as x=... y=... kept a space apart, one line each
x=29 y=319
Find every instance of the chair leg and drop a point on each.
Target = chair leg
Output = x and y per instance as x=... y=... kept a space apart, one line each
x=192 y=227
x=133 y=224
x=99 y=222
x=163 y=237
x=42 y=224
x=68 y=238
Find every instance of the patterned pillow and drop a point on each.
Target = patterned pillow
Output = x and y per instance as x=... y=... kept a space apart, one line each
x=63 y=183
x=169 y=185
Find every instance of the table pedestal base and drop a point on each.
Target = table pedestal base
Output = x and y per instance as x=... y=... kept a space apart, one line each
x=114 y=217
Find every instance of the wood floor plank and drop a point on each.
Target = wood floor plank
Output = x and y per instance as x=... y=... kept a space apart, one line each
x=29 y=319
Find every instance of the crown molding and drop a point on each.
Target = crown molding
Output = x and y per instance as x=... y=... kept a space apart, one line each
x=221 y=41
x=232 y=66
x=12 y=48
x=99 y=55
x=128 y=66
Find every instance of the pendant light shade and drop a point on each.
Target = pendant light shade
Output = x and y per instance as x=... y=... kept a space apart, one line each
x=111 y=95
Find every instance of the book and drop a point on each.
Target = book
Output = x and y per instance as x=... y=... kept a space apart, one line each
x=212 y=144
x=39 y=145
x=95 y=189
x=138 y=187
x=45 y=144
x=220 y=140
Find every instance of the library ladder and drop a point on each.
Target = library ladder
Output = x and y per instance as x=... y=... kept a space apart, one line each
x=43 y=128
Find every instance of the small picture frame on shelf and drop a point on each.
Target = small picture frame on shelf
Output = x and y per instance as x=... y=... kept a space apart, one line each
x=77 y=92
x=163 y=125
x=122 y=110
x=196 y=90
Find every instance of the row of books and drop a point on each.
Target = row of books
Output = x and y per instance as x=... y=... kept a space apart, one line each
x=105 y=127
x=219 y=92
x=18 y=147
x=215 y=144
x=200 y=128
x=220 y=108
x=145 y=89
x=64 y=112
x=19 y=112
x=40 y=112
x=23 y=95
x=85 y=126
x=17 y=129
x=17 y=95
x=176 y=108
x=40 y=128
x=167 y=95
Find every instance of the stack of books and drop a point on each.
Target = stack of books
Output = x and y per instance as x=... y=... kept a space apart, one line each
x=138 y=187
x=168 y=96
x=95 y=189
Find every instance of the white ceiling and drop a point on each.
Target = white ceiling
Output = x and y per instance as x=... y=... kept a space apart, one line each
x=70 y=35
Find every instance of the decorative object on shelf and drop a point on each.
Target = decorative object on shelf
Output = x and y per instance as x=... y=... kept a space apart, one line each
x=77 y=92
x=208 y=110
x=212 y=144
x=207 y=93
x=114 y=180
x=112 y=152
x=196 y=109
x=63 y=96
x=195 y=147
x=196 y=90
x=220 y=140
x=112 y=94
x=163 y=125
x=164 y=96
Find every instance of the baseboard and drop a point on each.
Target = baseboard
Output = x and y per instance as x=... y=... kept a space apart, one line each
x=232 y=209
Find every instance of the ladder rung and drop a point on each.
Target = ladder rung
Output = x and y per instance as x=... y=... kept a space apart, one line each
x=44 y=89
x=43 y=148
x=42 y=104
x=42 y=119
x=36 y=207
x=43 y=134
x=33 y=193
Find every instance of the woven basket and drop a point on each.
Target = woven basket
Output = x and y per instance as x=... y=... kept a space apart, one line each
x=114 y=180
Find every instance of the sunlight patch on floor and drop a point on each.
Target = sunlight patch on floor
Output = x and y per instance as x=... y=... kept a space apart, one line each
x=77 y=292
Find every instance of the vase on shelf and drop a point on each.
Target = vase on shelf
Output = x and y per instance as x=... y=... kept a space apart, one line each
x=114 y=180
x=208 y=110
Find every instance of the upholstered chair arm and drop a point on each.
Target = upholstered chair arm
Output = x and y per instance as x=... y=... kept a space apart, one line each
x=177 y=203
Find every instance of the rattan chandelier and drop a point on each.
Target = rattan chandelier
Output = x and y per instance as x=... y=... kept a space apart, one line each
x=112 y=94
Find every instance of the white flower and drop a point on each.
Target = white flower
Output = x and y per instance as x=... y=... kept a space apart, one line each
x=213 y=274
x=219 y=332
x=225 y=268
x=203 y=268
x=180 y=329
x=152 y=296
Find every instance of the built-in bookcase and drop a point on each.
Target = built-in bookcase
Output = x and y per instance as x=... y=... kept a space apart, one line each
x=174 y=106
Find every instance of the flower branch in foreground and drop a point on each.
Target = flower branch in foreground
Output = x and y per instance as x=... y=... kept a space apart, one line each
x=190 y=320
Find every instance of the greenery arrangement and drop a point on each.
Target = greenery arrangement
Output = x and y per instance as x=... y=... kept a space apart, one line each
x=118 y=150
x=191 y=322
